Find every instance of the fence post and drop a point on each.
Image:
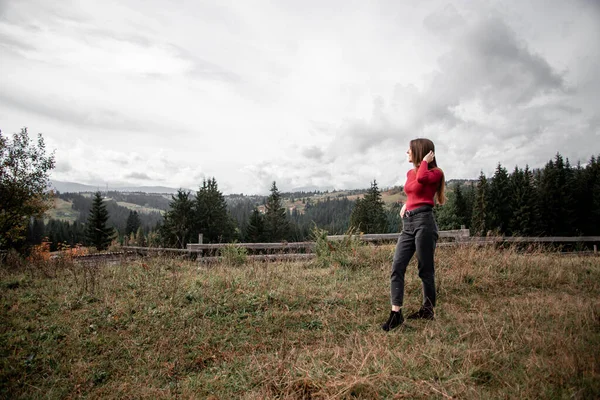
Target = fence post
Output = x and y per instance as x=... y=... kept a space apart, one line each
x=595 y=249
x=200 y=238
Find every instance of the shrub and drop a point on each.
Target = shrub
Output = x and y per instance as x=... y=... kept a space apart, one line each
x=342 y=253
x=233 y=254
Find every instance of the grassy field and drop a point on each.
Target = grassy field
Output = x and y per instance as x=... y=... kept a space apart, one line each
x=508 y=325
x=138 y=208
x=62 y=210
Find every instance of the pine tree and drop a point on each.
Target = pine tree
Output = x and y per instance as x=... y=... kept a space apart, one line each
x=276 y=223
x=455 y=212
x=97 y=233
x=212 y=218
x=178 y=223
x=524 y=216
x=593 y=172
x=394 y=223
x=133 y=223
x=35 y=231
x=255 y=230
x=555 y=198
x=469 y=196
x=461 y=208
x=499 y=203
x=368 y=214
x=480 y=220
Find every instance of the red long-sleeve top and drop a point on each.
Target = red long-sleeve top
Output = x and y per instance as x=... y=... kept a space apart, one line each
x=421 y=186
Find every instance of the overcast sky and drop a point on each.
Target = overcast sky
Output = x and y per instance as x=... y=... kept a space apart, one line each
x=306 y=93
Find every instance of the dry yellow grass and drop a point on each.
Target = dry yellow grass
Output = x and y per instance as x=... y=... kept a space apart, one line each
x=508 y=325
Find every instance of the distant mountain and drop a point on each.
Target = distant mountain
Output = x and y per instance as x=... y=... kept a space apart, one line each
x=73 y=187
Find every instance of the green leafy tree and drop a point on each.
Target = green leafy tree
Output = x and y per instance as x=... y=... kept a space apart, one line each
x=368 y=214
x=480 y=219
x=212 y=218
x=24 y=175
x=98 y=233
x=276 y=223
x=133 y=223
x=178 y=224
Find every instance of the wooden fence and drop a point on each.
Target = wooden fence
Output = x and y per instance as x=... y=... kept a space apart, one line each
x=305 y=249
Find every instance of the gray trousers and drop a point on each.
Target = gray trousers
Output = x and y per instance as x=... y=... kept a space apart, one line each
x=419 y=234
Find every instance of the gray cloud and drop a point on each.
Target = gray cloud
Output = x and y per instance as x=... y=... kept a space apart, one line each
x=14 y=44
x=514 y=85
x=289 y=176
x=445 y=21
x=63 y=166
x=139 y=175
x=56 y=108
x=203 y=68
x=313 y=153
x=487 y=67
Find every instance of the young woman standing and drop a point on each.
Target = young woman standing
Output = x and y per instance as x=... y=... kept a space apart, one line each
x=419 y=231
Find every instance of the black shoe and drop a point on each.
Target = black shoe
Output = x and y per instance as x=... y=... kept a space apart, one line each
x=394 y=321
x=423 y=313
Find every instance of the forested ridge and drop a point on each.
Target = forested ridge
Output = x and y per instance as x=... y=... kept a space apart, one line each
x=557 y=200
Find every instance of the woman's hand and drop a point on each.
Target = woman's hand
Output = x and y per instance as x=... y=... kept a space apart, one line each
x=429 y=157
x=402 y=211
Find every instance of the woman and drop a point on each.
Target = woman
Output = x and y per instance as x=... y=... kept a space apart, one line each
x=419 y=230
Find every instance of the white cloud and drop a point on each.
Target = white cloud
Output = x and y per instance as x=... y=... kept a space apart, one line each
x=307 y=94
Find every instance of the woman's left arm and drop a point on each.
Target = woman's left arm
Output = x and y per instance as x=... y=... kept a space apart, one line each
x=426 y=175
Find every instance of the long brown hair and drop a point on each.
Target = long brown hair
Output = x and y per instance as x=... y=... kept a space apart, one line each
x=419 y=149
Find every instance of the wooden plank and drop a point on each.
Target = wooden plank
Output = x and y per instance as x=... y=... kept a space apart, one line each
x=154 y=249
x=540 y=239
x=265 y=257
x=375 y=237
x=460 y=235
x=255 y=246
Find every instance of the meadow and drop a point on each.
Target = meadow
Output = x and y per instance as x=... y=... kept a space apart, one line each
x=508 y=325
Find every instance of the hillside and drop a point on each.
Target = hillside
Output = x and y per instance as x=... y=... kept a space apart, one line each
x=62 y=210
x=389 y=196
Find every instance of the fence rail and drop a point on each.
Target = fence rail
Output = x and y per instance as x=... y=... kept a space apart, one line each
x=457 y=234
x=538 y=239
x=460 y=236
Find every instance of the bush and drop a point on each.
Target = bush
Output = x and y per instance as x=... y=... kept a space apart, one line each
x=342 y=253
x=233 y=254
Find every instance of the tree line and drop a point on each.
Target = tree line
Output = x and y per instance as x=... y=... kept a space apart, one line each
x=128 y=225
x=556 y=200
